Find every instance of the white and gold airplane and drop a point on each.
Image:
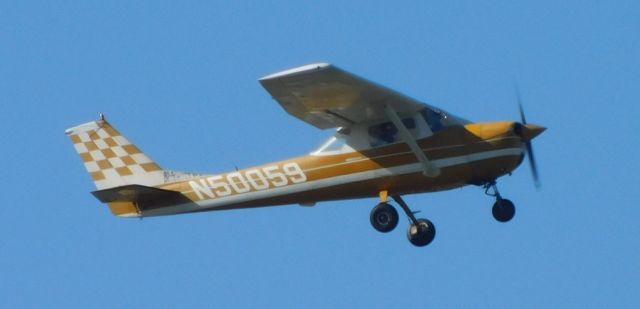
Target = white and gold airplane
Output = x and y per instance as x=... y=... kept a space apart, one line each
x=386 y=145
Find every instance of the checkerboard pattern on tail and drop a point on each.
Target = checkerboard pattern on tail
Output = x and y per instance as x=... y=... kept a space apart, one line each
x=111 y=159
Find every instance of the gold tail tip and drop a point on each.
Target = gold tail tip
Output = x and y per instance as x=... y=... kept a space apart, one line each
x=85 y=127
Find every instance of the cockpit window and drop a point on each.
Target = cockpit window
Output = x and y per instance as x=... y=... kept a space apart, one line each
x=434 y=118
x=387 y=133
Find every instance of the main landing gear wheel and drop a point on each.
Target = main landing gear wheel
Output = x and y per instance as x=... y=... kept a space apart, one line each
x=384 y=218
x=503 y=210
x=422 y=233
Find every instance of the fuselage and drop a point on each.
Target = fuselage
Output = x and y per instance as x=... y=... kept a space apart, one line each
x=473 y=153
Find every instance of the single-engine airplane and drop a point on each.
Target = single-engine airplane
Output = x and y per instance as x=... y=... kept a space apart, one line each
x=386 y=145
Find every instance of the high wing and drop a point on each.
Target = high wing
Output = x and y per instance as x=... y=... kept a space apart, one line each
x=328 y=97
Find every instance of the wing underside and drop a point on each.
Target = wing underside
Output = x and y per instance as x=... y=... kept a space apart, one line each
x=328 y=97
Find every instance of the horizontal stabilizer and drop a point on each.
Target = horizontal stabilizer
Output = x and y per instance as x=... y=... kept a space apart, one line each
x=144 y=197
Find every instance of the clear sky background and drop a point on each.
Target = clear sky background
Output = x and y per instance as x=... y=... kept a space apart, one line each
x=180 y=80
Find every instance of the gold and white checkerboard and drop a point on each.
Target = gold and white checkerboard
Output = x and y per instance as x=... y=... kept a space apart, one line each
x=110 y=158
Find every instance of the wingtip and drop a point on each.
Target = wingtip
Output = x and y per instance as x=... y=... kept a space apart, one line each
x=297 y=70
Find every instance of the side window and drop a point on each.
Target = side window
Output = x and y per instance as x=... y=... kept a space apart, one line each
x=433 y=119
x=387 y=133
x=336 y=143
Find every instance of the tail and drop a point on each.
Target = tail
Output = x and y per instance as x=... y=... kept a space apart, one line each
x=111 y=160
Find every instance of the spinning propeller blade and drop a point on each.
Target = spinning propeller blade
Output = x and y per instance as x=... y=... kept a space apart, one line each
x=532 y=160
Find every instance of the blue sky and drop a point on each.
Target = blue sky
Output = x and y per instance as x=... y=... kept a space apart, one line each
x=180 y=80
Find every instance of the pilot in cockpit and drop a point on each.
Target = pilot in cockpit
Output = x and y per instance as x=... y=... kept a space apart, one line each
x=384 y=133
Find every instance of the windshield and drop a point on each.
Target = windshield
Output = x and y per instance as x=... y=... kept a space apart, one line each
x=433 y=118
x=438 y=119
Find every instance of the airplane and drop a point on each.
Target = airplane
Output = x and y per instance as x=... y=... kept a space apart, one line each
x=386 y=145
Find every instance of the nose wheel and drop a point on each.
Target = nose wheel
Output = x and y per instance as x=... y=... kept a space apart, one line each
x=503 y=209
x=384 y=218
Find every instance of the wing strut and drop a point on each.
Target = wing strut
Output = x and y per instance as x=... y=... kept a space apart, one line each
x=428 y=168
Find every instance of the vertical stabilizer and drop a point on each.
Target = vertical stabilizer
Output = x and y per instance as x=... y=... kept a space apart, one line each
x=110 y=158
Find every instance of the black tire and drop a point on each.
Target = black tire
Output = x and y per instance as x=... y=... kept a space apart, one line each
x=422 y=234
x=503 y=210
x=384 y=218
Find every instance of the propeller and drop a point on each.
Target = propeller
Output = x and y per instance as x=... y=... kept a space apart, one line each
x=527 y=140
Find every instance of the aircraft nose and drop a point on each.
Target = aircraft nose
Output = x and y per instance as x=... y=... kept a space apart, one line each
x=530 y=131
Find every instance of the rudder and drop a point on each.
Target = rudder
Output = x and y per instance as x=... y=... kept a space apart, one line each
x=110 y=158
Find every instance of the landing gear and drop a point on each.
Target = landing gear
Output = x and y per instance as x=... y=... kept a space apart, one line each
x=422 y=233
x=384 y=218
x=503 y=210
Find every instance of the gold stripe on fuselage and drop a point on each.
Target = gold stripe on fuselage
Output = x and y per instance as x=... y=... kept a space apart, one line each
x=465 y=144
